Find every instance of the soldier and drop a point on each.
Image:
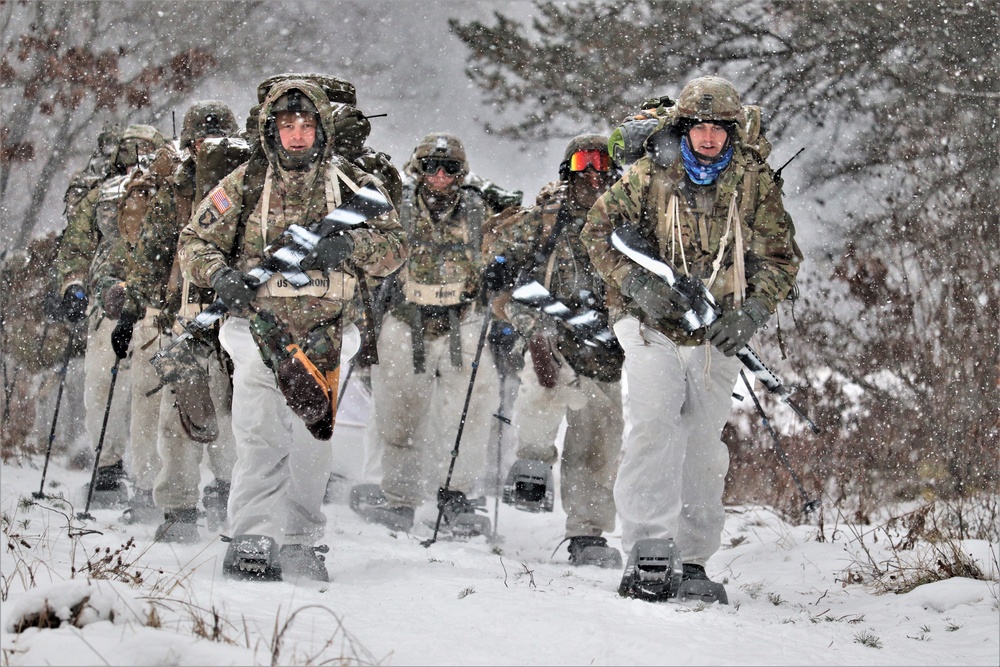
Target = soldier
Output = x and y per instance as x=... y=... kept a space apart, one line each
x=196 y=408
x=569 y=378
x=85 y=266
x=427 y=342
x=714 y=210
x=98 y=168
x=285 y=342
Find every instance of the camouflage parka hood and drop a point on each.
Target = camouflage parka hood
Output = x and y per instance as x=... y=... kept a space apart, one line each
x=325 y=109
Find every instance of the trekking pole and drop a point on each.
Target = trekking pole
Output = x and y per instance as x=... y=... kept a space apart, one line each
x=55 y=417
x=498 y=489
x=85 y=514
x=443 y=491
x=808 y=505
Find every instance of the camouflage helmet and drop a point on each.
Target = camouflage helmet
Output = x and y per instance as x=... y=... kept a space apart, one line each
x=136 y=139
x=208 y=118
x=440 y=145
x=294 y=100
x=709 y=98
x=581 y=142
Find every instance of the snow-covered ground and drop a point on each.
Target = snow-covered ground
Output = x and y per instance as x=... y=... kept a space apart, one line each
x=393 y=601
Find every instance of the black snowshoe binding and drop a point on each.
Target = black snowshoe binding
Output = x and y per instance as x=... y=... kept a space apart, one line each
x=141 y=509
x=459 y=514
x=179 y=526
x=298 y=560
x=529 y=486
x=215 y=498
x=110 y=490
x=368 y=501
x=252 y=558
x=654 y=573
x=591 y=550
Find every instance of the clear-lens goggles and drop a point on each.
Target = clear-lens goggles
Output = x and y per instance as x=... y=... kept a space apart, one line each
x=597 y=159
x=430 y=165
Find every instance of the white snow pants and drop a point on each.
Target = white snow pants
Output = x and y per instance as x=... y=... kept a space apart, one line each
x=672 y=476
x=141 y=458
x=177 y=485
x=417 y=415
x=281 y=471
x=593 y=439
x=98 y=361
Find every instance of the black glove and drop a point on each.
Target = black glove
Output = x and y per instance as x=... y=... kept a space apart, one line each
x=114 y=300
x=74 y=303
x=231 y=286
x=503 y=339
x=329 y=253
x=498 y=276
x=121 y=337
x=654 y=296
x=731 y=332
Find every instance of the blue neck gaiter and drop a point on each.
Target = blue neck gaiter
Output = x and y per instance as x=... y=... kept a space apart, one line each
x=703 y=174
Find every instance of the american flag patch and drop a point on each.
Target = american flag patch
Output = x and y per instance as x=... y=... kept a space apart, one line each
x=221 y=201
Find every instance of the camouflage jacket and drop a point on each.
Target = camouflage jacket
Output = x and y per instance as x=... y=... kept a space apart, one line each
x=444 y=264
x=566 y=272
x=86 y=254
x=642 y=198
x=215 y=238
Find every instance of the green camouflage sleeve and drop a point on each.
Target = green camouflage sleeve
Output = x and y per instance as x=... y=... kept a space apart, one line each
x=111 y=268
x=79 y=243
x=149 y=266
x=207 y=240
x=621 y=204
x=773 y=258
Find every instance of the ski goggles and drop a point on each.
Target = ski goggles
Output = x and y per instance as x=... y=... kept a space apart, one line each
x=595 y=158
x=430 y=165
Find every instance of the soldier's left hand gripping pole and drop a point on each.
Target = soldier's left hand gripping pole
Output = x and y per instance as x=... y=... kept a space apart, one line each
x=286 y=252
x=703 y=309
x=85 y=514
x=67 y=355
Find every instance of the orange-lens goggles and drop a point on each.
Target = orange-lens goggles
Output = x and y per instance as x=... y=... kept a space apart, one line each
x=597 y=159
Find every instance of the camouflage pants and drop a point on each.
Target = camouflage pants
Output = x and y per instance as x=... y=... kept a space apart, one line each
x=673 y=473
x=590 y=447
x=177 y=485
x=281 y=471
x=98 y=361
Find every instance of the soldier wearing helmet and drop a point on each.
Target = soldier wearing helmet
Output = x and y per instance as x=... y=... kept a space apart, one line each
x=567 y=378
x=714 y=211
x=191 y=415
x=285 y=341
x=86 y=263
x=427 y=343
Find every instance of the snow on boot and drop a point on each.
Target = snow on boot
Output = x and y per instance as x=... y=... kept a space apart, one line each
x=298 y=560
x=654 y=571
x=141 y=509
x=252 y=558
x=180 y=526
x=529 y=486
x=215 y=498
x=368 y=501
x=593 y=550
x=110 y=491
x=459 y=514
x=696 y=586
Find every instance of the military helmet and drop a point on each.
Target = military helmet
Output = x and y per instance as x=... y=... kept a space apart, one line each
x=439 y=145
x=709 y=98
x=583 y=142
x=208 y=118
x=294 y=100
x=136 y=140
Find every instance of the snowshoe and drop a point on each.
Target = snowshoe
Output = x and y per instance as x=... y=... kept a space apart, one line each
x=252 y=558
x=141 y=509
x=529 y=486
x=179 y=526
x=368 y=501
x=459 y=514
x=215 y=498
x=110 y=491
x=654 y=571
x=298 y=560
x=696 y=586
x=591 y=550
